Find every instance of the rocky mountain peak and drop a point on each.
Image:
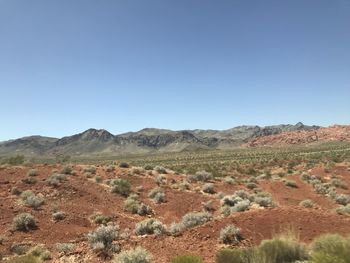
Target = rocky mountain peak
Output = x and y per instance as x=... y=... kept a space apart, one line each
x=100 y=141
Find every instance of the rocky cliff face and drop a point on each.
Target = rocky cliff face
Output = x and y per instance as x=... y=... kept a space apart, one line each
x=299 y=137
x=95 y=141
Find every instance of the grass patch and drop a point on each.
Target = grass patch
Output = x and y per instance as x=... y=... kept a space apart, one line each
x=23 y=259
x=187 y=259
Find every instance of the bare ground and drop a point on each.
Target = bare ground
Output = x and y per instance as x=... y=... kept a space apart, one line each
x=80 y=197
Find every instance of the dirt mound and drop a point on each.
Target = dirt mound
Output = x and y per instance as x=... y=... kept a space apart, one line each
x=332 y=133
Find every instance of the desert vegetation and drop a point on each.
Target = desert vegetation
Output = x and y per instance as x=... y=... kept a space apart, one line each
x=212 y=203
x=324 y=249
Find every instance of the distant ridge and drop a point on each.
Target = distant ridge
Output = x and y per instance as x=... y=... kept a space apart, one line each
x=93 y=141
x=333 y=133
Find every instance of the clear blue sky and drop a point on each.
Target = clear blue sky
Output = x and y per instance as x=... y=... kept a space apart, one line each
x=68 y=65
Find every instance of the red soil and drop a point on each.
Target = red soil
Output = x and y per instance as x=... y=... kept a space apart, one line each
x=80 y=197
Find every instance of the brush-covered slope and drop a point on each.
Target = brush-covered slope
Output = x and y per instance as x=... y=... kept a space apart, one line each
x=147 y=140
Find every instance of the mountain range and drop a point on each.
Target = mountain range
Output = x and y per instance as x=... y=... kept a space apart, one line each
x=97 y=142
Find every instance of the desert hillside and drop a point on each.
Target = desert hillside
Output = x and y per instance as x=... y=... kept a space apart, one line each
x=102 y=142
x=339 y=133
x=188 y=211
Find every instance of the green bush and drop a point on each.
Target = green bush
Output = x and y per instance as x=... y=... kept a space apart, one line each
x=247 y=255
x=342 y=199
x=58 y=215
x=307 y=203
x=184 y=185
x=225 y=210
x=56 y=179
x=110 y=168
x=238 y=202
x=195 y=218
x=281 y=249
x=23 y=259
x=98 y=179
x=264 y=201
x=229 y=180
x=148 y=167
x=90 y=169
x=314 y=180
x=242 y=194
x=241 y=206
x=159 y=198
x=149 y=226
x=144 y=209
x=19 y=249
x=291 y=183
x=14 y=160
x=338 y=183
x=323 y=188
x=137 y=255
x=133 y=205
x=305 y=177
x=157 y=195
x=176 y=228
x=202 y=176
x=67 y=169
x=331 y=248
x=187 y=259
x=208 y=188
x=160 y=179
x=154 y=191
x=41 y=252
x=121 y=186
x=34 y=201
x=25 y=194
x=32 y=172
x=101 y=240
x=24 y=222
x=30 y=180
x=231 y=200
x=65 y=247
x=230 y=235
x=101 y=219
x=2 y=239
x=343 y=209
x=88 y=175
x=15 y=191
x=160 y=169
x=209 y=206
x=136 y=171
